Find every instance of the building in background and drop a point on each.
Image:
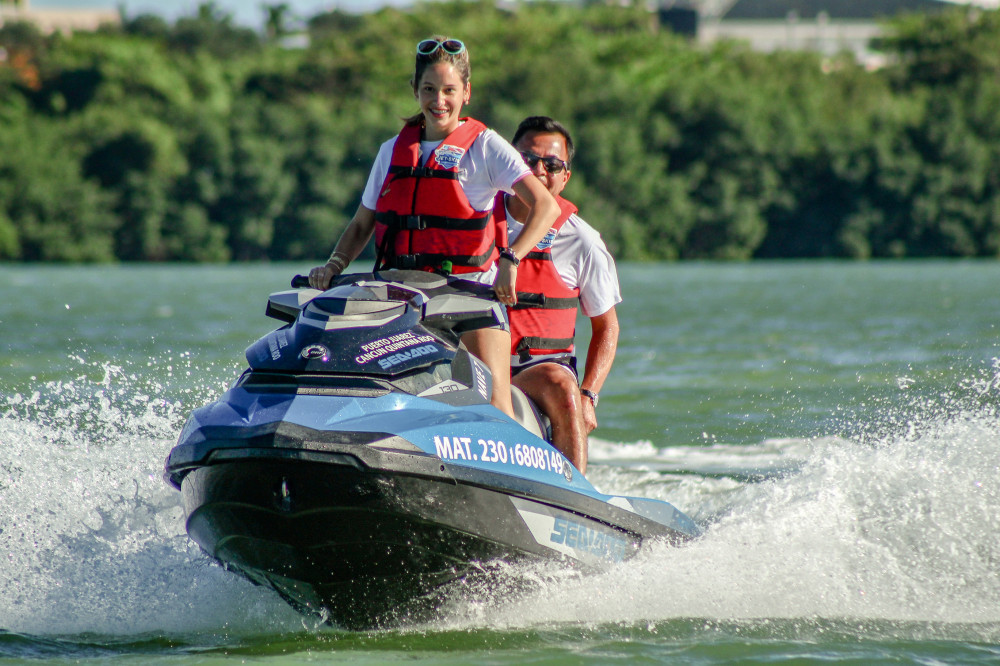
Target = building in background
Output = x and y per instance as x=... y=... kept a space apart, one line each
x=826 y=26
x=51 y=20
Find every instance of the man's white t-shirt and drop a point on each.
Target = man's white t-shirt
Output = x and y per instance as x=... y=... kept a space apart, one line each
x=490 y=165
x=582 y=260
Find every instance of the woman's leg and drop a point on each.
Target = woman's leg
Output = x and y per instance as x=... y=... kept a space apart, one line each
x=492 y=347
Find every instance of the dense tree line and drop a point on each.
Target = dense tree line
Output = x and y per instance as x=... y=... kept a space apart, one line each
x=205 y=141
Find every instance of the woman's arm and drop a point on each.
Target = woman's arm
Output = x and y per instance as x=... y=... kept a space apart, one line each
x=352 y=242
x=543 y=211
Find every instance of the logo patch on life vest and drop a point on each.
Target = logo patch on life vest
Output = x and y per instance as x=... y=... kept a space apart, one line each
x=547 y=240
x=448 y=156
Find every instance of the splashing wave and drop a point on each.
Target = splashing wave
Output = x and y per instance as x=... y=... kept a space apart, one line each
x=898 y=526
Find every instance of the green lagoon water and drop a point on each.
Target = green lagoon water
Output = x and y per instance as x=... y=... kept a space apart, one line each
x=834 y=428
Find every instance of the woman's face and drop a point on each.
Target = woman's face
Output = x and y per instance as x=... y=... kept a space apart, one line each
x=441 y=94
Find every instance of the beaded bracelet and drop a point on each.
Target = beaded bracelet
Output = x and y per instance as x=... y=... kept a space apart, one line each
x=339 y=260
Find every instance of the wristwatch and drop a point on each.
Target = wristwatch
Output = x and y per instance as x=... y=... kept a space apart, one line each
x=509 y=255
x=590 y=394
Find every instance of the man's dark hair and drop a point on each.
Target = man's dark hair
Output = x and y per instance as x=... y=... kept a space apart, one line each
x=544 y=125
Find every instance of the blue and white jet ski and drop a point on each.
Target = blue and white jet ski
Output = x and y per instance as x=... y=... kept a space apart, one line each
x=357 y=465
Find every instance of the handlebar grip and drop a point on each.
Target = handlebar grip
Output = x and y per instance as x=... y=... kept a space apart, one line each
x=300 y=281
x=530 y=299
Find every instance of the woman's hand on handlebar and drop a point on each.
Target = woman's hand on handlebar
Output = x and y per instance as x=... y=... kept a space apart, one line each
x=319 y=277
x=505 y=283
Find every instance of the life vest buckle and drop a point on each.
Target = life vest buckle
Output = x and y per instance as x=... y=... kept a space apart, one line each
x=407 y=262
x=413 y=222
x=523 y=351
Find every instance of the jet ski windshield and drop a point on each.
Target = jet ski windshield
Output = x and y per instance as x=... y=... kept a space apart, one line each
x=378 y=302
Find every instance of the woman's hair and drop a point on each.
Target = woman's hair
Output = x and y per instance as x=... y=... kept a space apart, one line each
x=459 y=61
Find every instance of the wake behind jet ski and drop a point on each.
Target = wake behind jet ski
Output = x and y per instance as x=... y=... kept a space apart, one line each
x=357 y=465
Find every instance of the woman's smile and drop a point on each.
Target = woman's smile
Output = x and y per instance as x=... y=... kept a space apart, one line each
x=441 y=94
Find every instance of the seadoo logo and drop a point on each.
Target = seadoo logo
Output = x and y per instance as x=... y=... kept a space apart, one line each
x=403 y=357
x=313 y=352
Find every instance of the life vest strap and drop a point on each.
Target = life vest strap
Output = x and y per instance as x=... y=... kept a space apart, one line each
x=427 y=260
x=526 y=300
x=397 y=222
x=399 y=171
x=527 y=343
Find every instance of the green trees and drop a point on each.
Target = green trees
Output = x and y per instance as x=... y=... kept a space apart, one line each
x=51 y=212
x=204 y=141
x=951 y=64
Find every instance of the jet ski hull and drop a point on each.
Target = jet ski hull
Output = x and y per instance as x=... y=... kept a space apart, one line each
x=364 y=535
x=357 y=471
x=357 y=547
x=362 y=548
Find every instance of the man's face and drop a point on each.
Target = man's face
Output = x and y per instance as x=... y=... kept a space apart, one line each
x=546 y=145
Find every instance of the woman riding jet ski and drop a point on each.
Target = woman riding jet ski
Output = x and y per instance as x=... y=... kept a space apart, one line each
x=357 y=465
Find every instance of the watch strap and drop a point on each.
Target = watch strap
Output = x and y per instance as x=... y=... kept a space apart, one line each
x=509 y=255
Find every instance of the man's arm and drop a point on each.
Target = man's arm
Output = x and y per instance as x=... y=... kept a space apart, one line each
x=600 y=357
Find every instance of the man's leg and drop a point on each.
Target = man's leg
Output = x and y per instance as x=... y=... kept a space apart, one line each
x=554 y=389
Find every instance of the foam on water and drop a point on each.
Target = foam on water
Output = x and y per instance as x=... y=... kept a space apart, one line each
x=92 y=539
x=900 y=526
x=768 y=456
x=900 y=529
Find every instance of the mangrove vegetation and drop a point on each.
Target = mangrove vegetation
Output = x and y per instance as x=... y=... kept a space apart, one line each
x=201 y=140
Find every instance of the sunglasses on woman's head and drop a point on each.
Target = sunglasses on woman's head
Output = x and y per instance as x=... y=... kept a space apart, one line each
x=552 y=164
x=450 y=46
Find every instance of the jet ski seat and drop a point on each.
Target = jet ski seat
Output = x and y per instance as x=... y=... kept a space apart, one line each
x=529 y=416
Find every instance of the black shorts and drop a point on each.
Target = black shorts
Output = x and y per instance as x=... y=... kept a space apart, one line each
x=566 y=360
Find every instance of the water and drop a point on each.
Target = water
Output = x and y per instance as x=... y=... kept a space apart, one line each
x=833 y=427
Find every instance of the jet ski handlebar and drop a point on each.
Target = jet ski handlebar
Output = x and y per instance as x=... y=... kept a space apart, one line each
x=302 y=282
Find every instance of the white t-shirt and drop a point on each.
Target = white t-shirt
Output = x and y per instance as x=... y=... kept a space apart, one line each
x=491 y=164
x=582 y=260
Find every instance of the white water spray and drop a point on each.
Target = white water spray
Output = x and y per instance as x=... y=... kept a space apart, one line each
x=900 y=527
x=900 y=530
x=91 y=537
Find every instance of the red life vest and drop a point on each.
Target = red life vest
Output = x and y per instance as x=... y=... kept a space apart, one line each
x=423 y=219
x=546 y=323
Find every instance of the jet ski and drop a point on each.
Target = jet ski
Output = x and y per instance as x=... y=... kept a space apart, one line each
x=357 y=467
